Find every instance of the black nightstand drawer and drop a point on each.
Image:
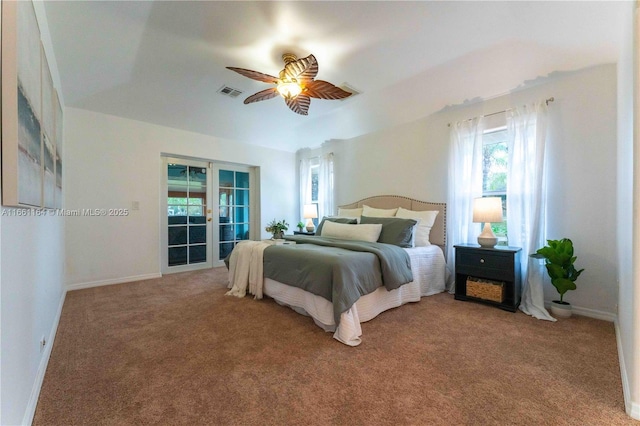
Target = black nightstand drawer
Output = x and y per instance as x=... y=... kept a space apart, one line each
x=484 y=260
x=488 y=273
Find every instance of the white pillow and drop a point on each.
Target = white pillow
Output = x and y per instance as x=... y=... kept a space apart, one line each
x=350 y=213
x=369 y=232
x=425 y=220
x=372 y=212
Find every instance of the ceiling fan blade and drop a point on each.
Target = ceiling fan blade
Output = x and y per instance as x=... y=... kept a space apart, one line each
x=299 y=104
x=255 y=75
x=263 y=95
x=324 y=90
x=302 y=69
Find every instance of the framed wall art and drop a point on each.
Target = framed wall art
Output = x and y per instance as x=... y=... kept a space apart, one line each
x=31 y=114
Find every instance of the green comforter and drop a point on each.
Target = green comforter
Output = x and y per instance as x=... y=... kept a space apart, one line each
x=340 y=271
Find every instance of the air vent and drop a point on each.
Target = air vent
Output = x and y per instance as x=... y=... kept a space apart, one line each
x=230 y=91
x=350 y=89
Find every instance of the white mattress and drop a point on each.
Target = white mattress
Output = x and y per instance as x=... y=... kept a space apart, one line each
x=429 y=277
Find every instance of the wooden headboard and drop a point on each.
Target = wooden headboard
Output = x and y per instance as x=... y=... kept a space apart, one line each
x=438 y=234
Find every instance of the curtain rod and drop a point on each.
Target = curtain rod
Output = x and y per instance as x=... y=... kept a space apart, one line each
x=548 y=101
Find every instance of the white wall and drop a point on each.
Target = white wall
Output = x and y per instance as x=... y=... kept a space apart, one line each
x=412 y=160
x=31 y=293
x=627 y=218
x=112 y=162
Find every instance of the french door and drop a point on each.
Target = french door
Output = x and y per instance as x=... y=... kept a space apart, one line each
x=207 y=208
x=187 y=211
x=235 y=205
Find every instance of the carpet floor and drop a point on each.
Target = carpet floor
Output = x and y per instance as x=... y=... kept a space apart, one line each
x=175 y=351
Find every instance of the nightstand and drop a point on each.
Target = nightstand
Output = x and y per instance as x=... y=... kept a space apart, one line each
x=499 y=265
x=303 y=233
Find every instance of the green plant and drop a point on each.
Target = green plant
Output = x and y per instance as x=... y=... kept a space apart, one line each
x=559 y=260
x=276 y=227
x=300 y=225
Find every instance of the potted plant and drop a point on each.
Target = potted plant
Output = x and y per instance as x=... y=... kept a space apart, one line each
x=559 y=260
x=277 y=228
x=300 y=225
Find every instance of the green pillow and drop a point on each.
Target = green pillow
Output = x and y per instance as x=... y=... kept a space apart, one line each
x=349 y=220
x=395 y=230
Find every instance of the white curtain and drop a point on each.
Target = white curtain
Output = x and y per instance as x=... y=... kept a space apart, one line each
x=305 y=185
x=465 y=184
x=326 y=197
x=526 y=197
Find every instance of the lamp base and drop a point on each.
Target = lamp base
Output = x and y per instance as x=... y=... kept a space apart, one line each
x=310 y=226
x=487 y=238
x=487 y=242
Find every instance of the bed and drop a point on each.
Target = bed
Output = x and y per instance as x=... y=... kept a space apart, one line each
x=427 y=264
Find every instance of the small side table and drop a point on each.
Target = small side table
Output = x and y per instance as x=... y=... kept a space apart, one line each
x=500 y=263
x=303 y=233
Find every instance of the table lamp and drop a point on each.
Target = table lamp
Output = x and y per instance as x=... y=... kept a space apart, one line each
x=487 y=210
x=310 y=212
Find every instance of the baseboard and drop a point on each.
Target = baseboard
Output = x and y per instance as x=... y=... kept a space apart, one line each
x=586 y=312
x=71 y=287
x=42 y=368
x=631 y=408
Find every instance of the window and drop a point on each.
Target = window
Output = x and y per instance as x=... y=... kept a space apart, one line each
x=494 y=174
x=315 y=171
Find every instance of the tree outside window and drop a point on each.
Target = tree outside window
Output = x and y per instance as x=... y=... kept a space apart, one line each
x=494 y=174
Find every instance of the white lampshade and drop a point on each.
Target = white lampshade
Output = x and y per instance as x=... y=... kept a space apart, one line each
x=310 y=211
x=487 y=210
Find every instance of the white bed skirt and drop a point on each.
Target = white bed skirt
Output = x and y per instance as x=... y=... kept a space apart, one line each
x=429 y=277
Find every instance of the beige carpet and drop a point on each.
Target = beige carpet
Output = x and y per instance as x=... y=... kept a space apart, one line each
x=177 y=351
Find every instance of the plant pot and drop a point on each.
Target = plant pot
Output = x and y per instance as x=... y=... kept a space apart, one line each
x=278 y=235
x=561 y=309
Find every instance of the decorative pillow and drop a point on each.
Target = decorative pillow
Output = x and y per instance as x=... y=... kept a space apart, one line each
x=425 y=220
x=372 y=212
x=395 y=230
x=350 y=212
x=369 y=233
x=336 y=219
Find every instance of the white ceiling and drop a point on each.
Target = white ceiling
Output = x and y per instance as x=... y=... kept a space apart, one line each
x=163 y=62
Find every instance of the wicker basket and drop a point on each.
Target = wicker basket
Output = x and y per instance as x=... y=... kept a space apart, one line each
x=485 y=289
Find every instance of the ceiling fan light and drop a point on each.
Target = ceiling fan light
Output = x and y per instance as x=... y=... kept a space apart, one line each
x=289 y=89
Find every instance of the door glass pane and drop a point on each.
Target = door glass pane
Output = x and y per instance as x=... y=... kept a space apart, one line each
x=226 y=232
x=178 y=220
x=225 y=250
x=177 y=235
x=226 y=178
x=198 y=220
x=226 y=197
x=242 y=214
x=177 y=256
x=177 y=173
x=242 y=180
x=197 y=254
x=181 y=201
x=225 y=213
x=195 y=211
x=197 y=175
x=242 y=197
x=242 y=231
x=198 y=234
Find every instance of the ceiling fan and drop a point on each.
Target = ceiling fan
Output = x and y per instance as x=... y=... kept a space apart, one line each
x=295 y=84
